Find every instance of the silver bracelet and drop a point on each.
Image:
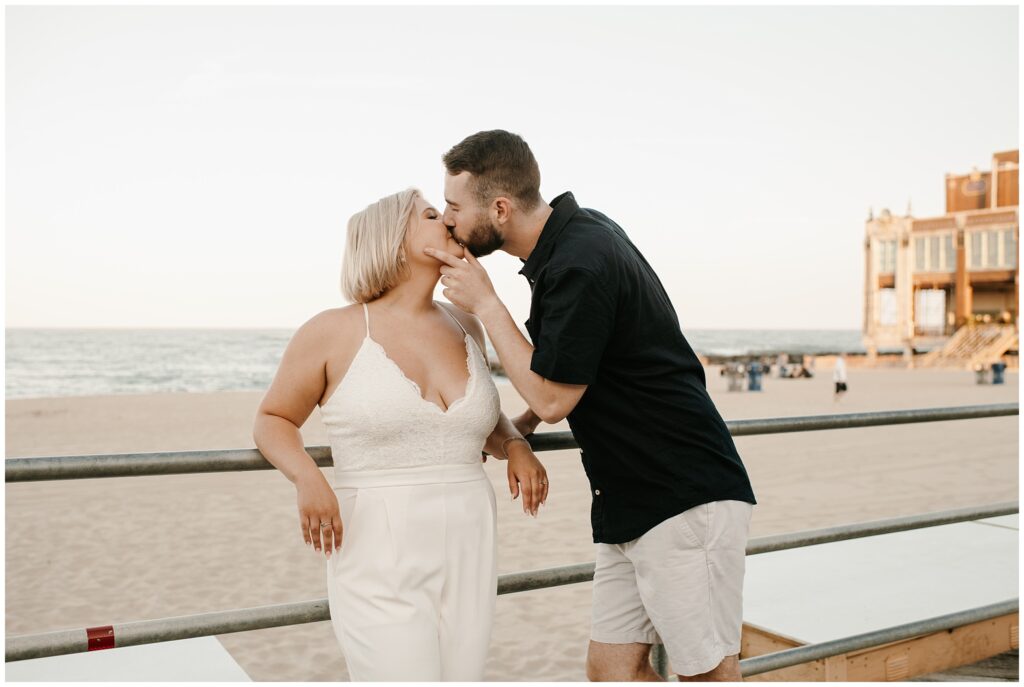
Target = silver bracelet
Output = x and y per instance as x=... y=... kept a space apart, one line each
x=504 y=444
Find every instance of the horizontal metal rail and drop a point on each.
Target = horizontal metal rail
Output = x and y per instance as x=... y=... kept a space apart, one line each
x=168 y=629
x=187 y=462
x=871 y=528
x=815 y=652
x=813 y=423
x=240 y=620
x=137 y=464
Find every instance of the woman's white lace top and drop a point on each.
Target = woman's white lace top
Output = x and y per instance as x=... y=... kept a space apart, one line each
x=377 y=417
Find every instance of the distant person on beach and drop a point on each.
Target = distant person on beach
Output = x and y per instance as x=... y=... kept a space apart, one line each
x=407 y=398
x=839 y=376
x=671 y=500
x=802 y=372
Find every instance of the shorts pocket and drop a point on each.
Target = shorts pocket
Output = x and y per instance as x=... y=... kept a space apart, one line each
x=695 y=524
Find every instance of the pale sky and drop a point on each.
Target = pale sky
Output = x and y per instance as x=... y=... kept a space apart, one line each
x=194 y=166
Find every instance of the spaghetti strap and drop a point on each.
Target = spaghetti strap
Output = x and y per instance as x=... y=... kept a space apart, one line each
x=456 y=320
x=366 y=316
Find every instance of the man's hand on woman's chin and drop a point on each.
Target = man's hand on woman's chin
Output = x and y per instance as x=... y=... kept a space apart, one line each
x=465 y=282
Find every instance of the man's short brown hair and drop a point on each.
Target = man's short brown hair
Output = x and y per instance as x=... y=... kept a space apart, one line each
x=501 y=164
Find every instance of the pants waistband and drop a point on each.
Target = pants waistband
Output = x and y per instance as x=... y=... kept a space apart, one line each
x=395 y=477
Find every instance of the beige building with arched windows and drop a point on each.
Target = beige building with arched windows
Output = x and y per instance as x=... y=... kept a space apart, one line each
x=951 y=283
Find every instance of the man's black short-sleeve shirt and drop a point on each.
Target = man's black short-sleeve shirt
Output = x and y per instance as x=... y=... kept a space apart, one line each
x=652 y=441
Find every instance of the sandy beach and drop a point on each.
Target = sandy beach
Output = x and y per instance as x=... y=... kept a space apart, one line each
x=95 y=552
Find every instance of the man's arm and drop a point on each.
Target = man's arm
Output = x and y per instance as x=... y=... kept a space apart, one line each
x=550 y=401
x=525 y=472
x=469 y=288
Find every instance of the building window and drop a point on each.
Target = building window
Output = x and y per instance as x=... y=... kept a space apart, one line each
x=949 y=253
x=933 y=254
x=993 y=249
x=976 y=253
x=991 y=238
x=930 y=311
x=886 y=257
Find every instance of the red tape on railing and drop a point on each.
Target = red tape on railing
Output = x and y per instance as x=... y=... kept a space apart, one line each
x=100 y=637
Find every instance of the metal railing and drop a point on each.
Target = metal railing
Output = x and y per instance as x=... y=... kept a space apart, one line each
x=246 y=619
x=186 y=462
x=277 y=615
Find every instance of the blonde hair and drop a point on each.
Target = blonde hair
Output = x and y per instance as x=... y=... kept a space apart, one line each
x=374 y=252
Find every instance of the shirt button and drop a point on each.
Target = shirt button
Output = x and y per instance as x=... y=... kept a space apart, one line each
x=597 y=492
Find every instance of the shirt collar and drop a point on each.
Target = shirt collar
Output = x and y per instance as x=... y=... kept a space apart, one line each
x=563 y=207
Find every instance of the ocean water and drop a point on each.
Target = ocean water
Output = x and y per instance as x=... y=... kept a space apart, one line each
x=86 y=362
x=766 y=341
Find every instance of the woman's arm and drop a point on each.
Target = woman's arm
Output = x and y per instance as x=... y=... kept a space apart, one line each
x=298 y=385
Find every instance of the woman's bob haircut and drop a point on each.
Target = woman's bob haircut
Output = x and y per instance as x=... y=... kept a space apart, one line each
x=374 y=258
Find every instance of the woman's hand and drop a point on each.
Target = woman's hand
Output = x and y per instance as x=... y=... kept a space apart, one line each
x=526 y=476
x=319 y=516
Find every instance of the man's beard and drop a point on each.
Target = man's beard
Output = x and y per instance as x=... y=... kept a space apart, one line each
x=484 y=238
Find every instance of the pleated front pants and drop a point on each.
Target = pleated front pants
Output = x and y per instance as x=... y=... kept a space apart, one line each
x=413 y=589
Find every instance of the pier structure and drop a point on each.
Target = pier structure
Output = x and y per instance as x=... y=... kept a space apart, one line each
x=948 y=284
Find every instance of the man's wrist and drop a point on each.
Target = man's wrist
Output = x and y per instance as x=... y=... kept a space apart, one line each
x=491 y=312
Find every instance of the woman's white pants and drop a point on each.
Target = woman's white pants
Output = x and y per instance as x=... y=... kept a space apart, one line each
x=413 y=588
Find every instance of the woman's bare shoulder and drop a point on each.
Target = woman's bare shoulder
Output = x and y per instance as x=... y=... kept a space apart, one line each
x=333 y=327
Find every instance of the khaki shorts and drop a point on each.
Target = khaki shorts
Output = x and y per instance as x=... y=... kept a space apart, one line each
x=681 y=581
